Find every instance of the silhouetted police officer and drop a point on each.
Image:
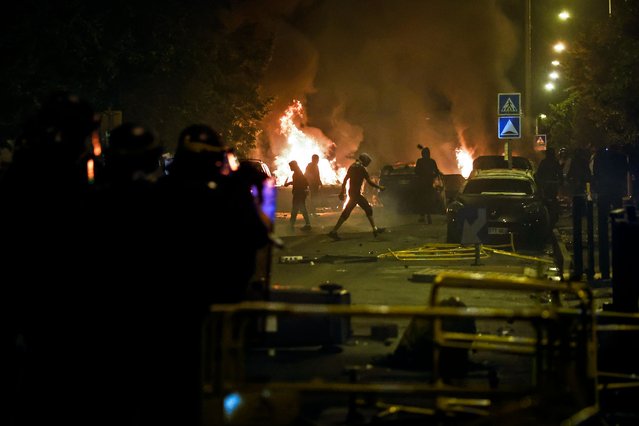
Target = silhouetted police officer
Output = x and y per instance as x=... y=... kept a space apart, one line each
x=134 y=297
x=46 y=250
x=214 y=233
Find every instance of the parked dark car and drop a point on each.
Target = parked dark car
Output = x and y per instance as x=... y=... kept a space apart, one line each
x=402 y=190
x=513 y=206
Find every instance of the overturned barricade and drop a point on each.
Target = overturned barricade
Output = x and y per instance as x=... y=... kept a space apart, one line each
x=545 y=373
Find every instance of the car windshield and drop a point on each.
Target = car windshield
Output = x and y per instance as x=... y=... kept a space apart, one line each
x=498 y=186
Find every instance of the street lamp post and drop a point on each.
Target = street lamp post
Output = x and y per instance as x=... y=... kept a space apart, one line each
x=527 y=113
x=539 y=118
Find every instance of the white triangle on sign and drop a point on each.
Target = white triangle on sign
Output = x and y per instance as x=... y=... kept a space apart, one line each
x=509 y=129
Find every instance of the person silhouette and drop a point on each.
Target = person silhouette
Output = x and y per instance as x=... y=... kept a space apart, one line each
x=46 y=190
x=427 y=171
x=579 y=174
x=549 y=177
x=212 y=246
x=300 y=192
x=356 y=175
x=128 y=208
x=312 y=174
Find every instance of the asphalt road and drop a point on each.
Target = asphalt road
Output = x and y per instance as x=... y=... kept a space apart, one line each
x=308 y=383
x=513 y=380
x=391 y=268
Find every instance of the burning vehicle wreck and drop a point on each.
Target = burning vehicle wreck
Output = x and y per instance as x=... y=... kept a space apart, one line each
x=403 y=191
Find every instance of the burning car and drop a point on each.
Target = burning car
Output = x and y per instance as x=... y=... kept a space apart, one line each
x=403 y=189
x=514 y=208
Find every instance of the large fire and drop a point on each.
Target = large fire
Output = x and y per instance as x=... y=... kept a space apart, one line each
x=464 y=161
x=300 y=147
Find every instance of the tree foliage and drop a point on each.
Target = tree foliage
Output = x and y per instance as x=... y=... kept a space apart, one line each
x=164 y=64
x=603 y=71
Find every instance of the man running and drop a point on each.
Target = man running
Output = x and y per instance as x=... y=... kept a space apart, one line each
x=357 y=173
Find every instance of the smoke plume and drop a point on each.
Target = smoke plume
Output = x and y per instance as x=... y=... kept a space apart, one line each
x=382 y=76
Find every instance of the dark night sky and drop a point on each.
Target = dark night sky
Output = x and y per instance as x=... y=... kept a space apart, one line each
x=383 y=76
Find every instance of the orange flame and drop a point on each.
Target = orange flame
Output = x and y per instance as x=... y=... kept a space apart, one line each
x=464 y=161
x=90 y=170
x=97 y=146
x=300 y=147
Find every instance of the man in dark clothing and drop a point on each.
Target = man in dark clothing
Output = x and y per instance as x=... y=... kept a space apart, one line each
x=579 y=174
x=212 y=246
x=300 y=192
x=127 y=209
x=549 y=177
x=549 y=174
x=610 y=175
x=356 y=175
x=312 y=174
x=426 y=171
x=47 y=253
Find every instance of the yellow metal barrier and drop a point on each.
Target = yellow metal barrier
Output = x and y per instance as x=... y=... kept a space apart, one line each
x=563 y=348
x=618 y=336
x=447 y=251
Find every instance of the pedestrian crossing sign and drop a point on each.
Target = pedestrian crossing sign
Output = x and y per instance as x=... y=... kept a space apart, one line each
x=509 y=104
x=509 y=127
x=540 y=142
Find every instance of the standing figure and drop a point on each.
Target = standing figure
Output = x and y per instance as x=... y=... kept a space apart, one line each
x=549 y=177
x=578 y=174
x=312 y=174
x=356 y=175
x=217 y=232
x=300 y=192
x=610 y=176
x=426 y=170
x=48 y=234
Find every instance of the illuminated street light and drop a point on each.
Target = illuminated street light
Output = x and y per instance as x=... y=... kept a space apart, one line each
x=553 y=75
x=555 y=63
x=549 y=87
x=559 y=47
x=564 y=15
x=539 y=119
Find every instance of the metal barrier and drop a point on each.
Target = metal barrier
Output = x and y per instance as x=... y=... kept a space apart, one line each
x=619 y=349
x=563 y=350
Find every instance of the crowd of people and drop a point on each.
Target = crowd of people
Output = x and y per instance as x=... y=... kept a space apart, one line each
x=609 y=173
x=111 y=266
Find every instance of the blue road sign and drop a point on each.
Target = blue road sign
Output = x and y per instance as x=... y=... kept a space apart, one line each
x=509 y=127
x=509 y=104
